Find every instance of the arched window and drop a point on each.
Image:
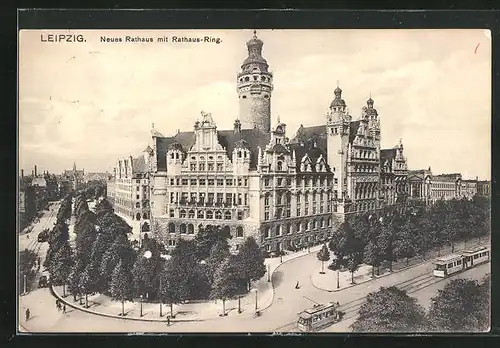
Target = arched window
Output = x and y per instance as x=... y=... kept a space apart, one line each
x=200 y=228
x=138 y=216
x=247 y=79
x=239 y=231
x=280 y=166
x=176 y=155
x=171 y=227
x=227 y=215
x=137 y=205
x=145 y=216
x=183 y=214
x=172 y=155
x=145 y=227
x=239 y=154
x=297 y=227
x=191 y=214
x=210 y=214
x=190 y=229
x=200 y=214
x=183 y=228
x=315 y=224
x=218 y=215
x=304 y=226
x=278 y=230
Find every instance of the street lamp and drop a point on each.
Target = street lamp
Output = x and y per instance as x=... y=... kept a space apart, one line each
x=25 y=284
x=239 y=304
x=141 y=305
x=256 y=303
x=268 y=272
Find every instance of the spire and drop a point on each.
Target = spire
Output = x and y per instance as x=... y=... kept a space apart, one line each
x=254 y=46
x=74 y=166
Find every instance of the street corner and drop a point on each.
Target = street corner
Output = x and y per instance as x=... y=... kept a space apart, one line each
x=329 y=280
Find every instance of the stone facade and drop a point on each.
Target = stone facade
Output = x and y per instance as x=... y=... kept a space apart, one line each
x=257 y=182
x=484 y=188
x=129 y=189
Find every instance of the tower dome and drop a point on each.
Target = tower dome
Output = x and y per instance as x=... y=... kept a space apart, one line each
x=254 y=58
x=338 y=102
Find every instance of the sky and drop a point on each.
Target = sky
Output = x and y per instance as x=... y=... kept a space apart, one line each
x=93 y=102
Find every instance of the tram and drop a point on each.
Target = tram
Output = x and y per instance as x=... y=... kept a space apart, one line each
x=319 y=317
x=454 y=263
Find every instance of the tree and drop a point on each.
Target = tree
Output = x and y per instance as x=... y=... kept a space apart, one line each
x=103 y=207
x=121 y=284
x=170 y=290
x=323 y=255
x=89 y=281
x=390 y=310
x=74 y=278
x=219 y=252
x=386 y=242
x=250 y=261
x=404 y=246
x=61 y=266
x=184 y=264
x=146 y=267
x=353 y=261
x=458 y=307
x=225 y=285
x=372 y=256
x=120 y=249
x=207 y=238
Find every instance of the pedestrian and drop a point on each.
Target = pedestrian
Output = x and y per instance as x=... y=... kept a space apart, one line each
x=168 y=321
x=57 y=304
x=297 y=285
x=28 y=236
x=27 y=314
x=64 y=309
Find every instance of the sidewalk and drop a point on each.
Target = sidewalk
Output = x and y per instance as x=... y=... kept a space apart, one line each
x=43 y=311
x=103 y=305
x=328 y=281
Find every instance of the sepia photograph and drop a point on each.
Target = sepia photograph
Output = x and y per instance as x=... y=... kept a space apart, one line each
x=254 y=181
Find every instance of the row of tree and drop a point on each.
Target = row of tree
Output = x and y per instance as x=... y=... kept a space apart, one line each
x=463 y=305
x=401 y=234
x=105 y=261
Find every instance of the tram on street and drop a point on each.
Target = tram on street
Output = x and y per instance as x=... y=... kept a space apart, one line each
x=454 y=263
x=318 y=317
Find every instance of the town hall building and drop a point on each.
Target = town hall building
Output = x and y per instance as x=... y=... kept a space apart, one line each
x=256 y=180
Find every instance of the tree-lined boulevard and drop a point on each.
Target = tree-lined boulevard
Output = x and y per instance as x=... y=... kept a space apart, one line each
x=104 y=261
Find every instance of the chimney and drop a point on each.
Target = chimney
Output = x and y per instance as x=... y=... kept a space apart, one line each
x=35 y=171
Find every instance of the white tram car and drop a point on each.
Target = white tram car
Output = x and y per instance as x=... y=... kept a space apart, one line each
x=319 y=317
x=454 y=263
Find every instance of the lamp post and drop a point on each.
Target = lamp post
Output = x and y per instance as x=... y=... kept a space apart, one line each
x=239 y=304
x=24 y=284
x=268 y=272
x=159 y=298
x=256 y=303
x=141 y=305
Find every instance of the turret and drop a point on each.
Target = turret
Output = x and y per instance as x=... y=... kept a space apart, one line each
x=254 y=87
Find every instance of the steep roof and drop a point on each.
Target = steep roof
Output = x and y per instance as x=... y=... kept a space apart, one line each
x=387 y=154
x=139 y=165
x=227 y=138
x=313 y=152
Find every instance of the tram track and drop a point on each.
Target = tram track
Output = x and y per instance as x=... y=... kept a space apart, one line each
x=350 y=309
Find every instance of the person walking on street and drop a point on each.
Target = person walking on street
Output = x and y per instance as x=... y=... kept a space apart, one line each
x=57 y=304
x=64 y=309
x=168 y=321
x=27 y=314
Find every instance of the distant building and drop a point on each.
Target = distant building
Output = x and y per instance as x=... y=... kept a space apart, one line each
x=420 y=184
x=96 y=177
x=393 y=175
x=27 y=201
x=468 y=188
x=75 y=178
x=446 y=186
x=128 y=191
x=484 y=188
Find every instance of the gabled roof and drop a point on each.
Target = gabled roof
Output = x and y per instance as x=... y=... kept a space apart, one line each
x=313 y=153
x=139 y=165
x=387 y=154
x=227 y=139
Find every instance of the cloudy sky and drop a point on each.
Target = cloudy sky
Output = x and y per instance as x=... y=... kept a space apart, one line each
x=93 y=102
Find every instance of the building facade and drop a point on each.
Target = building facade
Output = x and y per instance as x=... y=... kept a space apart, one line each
x=256 y=182
x=129 y=190
x=72 y=178
x=484 y=188
x=468 y=188
x=446 y=186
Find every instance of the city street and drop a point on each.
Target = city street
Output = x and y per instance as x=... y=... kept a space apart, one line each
x=282 y=314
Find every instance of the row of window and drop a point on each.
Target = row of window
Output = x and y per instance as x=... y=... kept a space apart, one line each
x=298 y=241
x=367 y=168
x=189 y=229
x=208 y=214
x=209 y=182
x=301 y=182
x=210 y=198
x=304 y=226
x=255 y=78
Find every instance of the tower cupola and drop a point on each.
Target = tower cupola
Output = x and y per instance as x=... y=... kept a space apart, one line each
x=254 y=87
